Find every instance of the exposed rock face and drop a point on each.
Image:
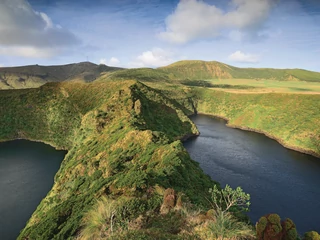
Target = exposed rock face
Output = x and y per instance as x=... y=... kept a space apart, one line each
x=169 y=201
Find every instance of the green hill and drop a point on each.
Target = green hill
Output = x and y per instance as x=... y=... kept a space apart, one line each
x=35 y=75
x=200 y=70
x=123 y=142
x=291 y=119
x=139 y=74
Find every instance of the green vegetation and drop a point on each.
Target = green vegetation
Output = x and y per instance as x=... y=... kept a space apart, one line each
x=311 y=236
x=127 y=174
x=270 y=227
x=226 y=226
x=119 y=143
x=140 y=74
x=228 y=199
x=292 y=119
x=201 y=70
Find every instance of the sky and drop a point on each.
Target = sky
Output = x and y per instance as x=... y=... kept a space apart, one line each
x=154 y=33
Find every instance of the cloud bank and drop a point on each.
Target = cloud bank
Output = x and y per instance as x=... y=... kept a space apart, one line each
x=195 y=19
x=241 y=57
x=22 y=27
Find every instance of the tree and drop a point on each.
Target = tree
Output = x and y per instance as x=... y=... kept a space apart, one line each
x=228 y=199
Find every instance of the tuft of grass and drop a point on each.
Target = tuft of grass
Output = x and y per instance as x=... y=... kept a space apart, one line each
x=98 y=222
x=226 y=227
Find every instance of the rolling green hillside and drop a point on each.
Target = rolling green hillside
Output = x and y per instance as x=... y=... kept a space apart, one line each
x=292 y=119
x=123 y=142
x=35 y=75
x=200 y=70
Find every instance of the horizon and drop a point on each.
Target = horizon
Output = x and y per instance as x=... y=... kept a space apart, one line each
x=153 y=33
x=155 y=67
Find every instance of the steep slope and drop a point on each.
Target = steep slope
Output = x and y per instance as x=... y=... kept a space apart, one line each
x=35 y=75
x=291 y=119
x=199 y=70
x=122 y=140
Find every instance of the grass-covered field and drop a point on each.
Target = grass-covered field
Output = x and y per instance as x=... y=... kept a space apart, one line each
x=265 y=86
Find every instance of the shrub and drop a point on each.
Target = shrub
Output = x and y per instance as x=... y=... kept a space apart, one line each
x=228 y=199
x=289 y=230
x=312 y=235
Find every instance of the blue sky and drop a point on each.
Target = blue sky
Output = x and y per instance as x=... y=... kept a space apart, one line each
x=152 y=33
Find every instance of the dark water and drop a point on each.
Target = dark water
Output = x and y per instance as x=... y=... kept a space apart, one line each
x=27 y=171
x=279 y=180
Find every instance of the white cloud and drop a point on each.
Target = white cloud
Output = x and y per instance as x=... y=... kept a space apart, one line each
x=34 y=32
x=112 y=61
x=154 y=58
x=239 y=56
x=29 y=52
x=195 y=19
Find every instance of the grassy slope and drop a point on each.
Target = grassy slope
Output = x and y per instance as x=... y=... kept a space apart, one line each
x=198 y=70
x=121 y=139
x=139 y=74
x=292 y=119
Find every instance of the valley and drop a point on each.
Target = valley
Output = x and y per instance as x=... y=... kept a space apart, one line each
x=123 y=135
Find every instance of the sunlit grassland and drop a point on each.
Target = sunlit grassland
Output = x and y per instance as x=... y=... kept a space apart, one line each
x=263 y=86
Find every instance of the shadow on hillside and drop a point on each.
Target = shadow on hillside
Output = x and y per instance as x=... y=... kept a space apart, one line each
x=162 y=118
x=202 y=83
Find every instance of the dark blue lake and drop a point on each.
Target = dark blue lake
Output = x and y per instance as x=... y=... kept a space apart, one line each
x=27 y=172
x=279 y=180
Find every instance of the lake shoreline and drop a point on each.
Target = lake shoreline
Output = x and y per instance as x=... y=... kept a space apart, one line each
x=280 y=141
x=35 y=140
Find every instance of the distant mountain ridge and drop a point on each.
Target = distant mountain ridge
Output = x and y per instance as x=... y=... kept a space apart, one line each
x=36 y=75
x=200 y=70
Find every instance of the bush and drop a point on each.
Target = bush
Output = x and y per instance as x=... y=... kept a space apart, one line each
x=311 y=236
x=228 y=199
